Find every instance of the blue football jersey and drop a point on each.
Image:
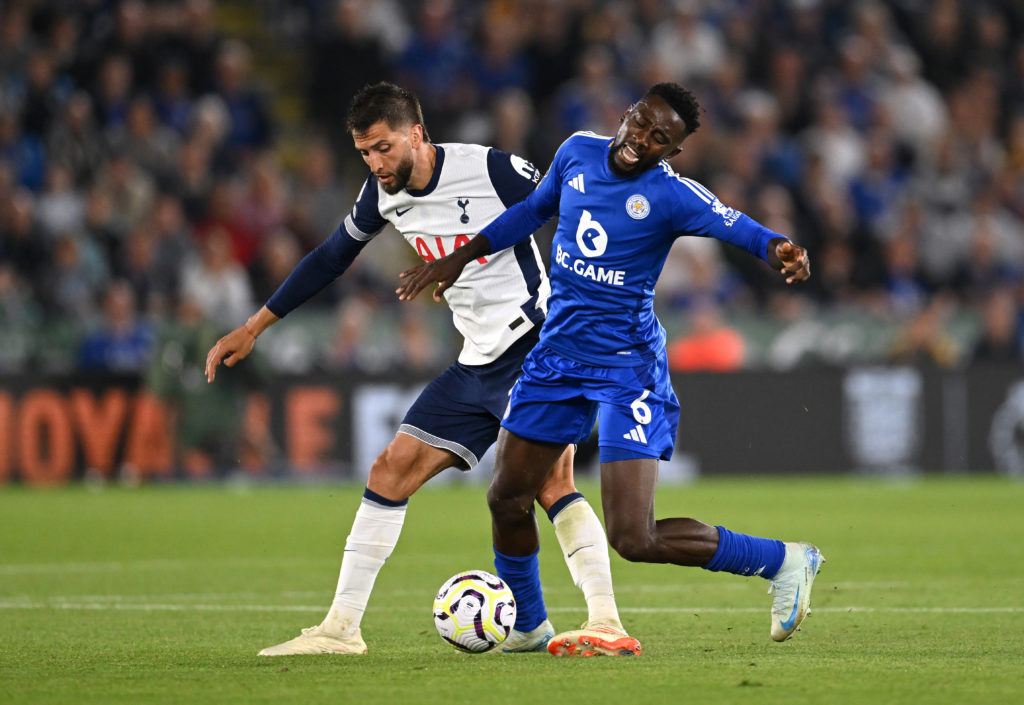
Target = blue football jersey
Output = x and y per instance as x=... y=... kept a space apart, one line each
x=614 y=235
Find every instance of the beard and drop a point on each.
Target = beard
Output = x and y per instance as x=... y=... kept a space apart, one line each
x=625 y=171
x=612 y=165
x=401 y=177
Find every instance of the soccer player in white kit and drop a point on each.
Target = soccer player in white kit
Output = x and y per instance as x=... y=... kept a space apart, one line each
x=436 y=196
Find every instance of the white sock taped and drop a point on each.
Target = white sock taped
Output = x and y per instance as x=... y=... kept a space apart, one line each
x=374 y=534
x=585 y=548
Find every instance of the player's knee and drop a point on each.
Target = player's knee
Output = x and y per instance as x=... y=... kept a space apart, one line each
x=506 y=506
x=393 y=474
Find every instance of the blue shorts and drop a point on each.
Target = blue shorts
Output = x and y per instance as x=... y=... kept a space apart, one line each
x=557 y=400
x=461 y=410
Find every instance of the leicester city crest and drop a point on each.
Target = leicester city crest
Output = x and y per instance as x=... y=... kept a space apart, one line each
x=637 y=206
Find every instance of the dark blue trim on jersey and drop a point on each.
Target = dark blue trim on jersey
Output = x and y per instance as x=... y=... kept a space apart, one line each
x=511 y=185
x=532 y=276
x=383 y=501
x=316 y=270
x=434 y=178
x=366 y=213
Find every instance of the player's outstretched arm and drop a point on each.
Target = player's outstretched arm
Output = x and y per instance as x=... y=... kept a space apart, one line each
x=790 y=259
x=237 y=344
x=444 y=271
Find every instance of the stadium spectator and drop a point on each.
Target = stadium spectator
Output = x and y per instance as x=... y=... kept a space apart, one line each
x=60 y=207
x=686 y=41
x=19 y=317
x=150 y=144
x=250 y=128
x=171 y=99
x=16 y=41
x=131 y=189
x=122 y=342
x=40 y=94
x=76 y=139
x=497 y=61
x=261 y=205
x=592 y=99
x=924 y=340
x=434 y=65
x=709 y=345
x=999 y=342
x=112 y=91
x=347 y=39
x=24 y=153
x=216 y=281
x=276 y=260
x=23 y=242
x=315 y=194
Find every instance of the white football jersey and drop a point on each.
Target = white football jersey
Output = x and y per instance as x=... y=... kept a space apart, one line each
x=497 y=298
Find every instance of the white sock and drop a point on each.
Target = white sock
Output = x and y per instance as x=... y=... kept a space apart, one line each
x=375 y=532
x=585 y=548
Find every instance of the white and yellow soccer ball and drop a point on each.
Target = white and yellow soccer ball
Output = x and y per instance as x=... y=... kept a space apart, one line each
x=474 y=611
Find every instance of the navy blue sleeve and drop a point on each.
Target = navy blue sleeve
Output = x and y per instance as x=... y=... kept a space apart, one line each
x=316 y=270
x=512 y=177
x=366 y=217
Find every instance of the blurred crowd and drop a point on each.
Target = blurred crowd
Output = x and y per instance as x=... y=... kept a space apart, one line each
x=153 y=192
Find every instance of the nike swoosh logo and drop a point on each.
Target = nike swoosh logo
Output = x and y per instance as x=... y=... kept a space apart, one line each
x=401 y=213
x=788 y=624
x=579 y=549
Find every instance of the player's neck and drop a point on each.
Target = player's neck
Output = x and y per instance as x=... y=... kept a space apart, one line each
x=423 y=171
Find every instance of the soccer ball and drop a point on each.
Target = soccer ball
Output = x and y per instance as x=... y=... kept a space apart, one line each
x=474 y=611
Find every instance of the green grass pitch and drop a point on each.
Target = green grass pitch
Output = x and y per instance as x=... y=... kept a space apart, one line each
x=165 y=594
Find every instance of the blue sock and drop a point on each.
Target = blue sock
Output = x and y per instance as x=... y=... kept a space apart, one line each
x=747 y=555
x=522 y=575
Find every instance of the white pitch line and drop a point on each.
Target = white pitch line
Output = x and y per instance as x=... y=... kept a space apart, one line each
x=171 y=607
x=156 y=607
x=154 y=564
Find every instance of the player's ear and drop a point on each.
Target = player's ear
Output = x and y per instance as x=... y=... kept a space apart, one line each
x=674 y=152
x=625 y=114
x=416 y=135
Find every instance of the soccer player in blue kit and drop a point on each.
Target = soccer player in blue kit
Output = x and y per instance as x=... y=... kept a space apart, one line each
x=433 y=194
x=601 y=354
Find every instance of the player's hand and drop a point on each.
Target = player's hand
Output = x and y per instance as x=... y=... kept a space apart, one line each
x=234 y=346
x=796 y=265
x=444 y=271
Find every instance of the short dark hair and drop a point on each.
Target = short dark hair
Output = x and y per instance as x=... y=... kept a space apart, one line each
x=385 y=101
x=681 y=100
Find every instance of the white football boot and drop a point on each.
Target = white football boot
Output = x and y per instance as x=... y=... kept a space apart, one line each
x=792 y=587
x=534 y=640
x=315 y=640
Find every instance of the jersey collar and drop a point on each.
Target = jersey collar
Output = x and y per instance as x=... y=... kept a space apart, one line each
x=432 y=184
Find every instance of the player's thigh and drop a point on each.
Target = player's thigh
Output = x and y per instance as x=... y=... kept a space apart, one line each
x=559 y=481
x=405 y=465
x=627 y=497
x=521 y=466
